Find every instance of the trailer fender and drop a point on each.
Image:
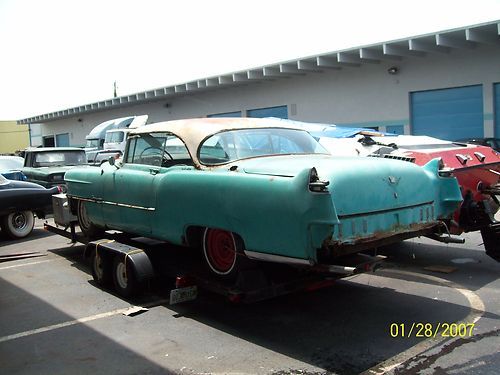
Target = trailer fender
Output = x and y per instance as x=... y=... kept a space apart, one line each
x=137 y=257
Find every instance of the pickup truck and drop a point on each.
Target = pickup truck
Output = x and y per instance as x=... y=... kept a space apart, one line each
x=46 y=166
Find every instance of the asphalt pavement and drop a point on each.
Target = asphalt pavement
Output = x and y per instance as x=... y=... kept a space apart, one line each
x=405 y=318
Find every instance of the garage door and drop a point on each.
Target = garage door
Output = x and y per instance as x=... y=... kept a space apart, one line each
x=497 y=109
x=226 y=114
x=280 y=112
x=449 y=113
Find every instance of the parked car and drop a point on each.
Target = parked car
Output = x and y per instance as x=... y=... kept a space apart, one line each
x=10 y=167
x=47 y=166
x=476 y=167
x=255 y=189
x=494 y=143
x=19 y=201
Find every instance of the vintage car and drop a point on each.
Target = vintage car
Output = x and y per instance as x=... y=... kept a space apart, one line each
x=10 y=167
x=46 y=166
x=255 y=189
x=19 y=200
x=476 y=167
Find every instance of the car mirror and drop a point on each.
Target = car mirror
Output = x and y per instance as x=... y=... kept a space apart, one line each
x=112 y=161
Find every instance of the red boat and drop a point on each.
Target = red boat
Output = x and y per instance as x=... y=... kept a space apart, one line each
x=476 y=167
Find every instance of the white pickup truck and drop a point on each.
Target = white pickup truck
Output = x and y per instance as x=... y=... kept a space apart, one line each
x=114 y=141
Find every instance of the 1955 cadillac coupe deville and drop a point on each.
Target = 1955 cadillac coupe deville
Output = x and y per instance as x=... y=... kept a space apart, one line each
x=243 y=188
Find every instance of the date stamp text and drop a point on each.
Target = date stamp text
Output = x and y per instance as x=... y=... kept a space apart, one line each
x=431 y=330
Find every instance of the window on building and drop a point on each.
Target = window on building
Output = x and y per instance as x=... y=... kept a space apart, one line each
x=49 y=141
x=62 y=140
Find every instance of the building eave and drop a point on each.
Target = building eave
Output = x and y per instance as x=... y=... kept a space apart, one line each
x=441 y=42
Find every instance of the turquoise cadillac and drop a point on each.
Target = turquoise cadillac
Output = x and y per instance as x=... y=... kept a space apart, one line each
x=245 y=188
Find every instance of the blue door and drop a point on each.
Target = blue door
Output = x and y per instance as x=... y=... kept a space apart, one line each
x=226 y=114
x=496 y=110
x=395 y=129
x=280 y=112
x=448 y=113
x=62 y=140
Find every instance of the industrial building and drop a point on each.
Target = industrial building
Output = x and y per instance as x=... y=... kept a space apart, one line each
x=444 y=84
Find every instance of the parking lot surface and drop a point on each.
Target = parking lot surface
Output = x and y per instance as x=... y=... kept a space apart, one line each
x=54 y=320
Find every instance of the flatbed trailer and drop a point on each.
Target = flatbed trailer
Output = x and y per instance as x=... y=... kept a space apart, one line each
x=128 y=264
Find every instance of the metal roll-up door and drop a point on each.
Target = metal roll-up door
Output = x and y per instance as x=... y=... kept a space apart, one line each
x=448 y=113
x=496 y=111
x=280 y=112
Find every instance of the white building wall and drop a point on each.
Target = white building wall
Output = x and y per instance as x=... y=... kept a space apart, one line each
x=365 y=95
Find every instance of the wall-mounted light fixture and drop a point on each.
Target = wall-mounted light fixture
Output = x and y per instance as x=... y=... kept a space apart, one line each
x=393 y=70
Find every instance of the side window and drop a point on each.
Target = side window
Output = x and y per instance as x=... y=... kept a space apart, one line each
x=131 y=150
x=158 y=149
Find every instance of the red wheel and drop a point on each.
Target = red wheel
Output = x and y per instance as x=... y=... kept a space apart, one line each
x=219 y=247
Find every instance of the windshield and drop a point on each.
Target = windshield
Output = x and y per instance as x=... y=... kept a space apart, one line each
x=11 y=163
x=249 y=143
x=114 y=137
x=92 y=143
x=59 y=158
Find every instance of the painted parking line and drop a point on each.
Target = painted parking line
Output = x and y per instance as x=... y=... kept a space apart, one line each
x=477 y=309
x=78 y=321
x=26 y=264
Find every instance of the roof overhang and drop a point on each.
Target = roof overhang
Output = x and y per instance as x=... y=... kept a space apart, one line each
x=418 y=46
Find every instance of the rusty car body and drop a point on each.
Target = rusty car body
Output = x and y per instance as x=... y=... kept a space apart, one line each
x=476 y=167
x=243 y=188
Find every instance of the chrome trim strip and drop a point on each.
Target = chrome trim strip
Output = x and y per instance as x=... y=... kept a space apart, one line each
x=100 y=201
x=276 y=258
x=128 y=206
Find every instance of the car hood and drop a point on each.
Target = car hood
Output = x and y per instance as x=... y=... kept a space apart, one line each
x=53 y=170
x=361 y=185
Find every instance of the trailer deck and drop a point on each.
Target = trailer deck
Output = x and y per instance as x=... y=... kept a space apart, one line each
x=137 y=260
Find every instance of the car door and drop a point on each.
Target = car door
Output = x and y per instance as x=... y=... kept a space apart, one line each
x=128 y=189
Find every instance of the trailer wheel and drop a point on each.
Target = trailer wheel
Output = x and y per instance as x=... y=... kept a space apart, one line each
x=223 y=252
x=89 y=229
x=124 y=278
x=18 y=224
x=101 y=268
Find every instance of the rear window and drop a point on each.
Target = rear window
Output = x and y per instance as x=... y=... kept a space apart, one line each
x=233 y=145
x=59 y=158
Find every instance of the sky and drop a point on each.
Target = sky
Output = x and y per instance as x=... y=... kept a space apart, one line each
x=58 y=54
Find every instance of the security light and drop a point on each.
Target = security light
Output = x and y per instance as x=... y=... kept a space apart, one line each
x=393 y=70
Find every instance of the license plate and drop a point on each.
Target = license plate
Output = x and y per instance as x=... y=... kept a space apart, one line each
x=179 y=295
